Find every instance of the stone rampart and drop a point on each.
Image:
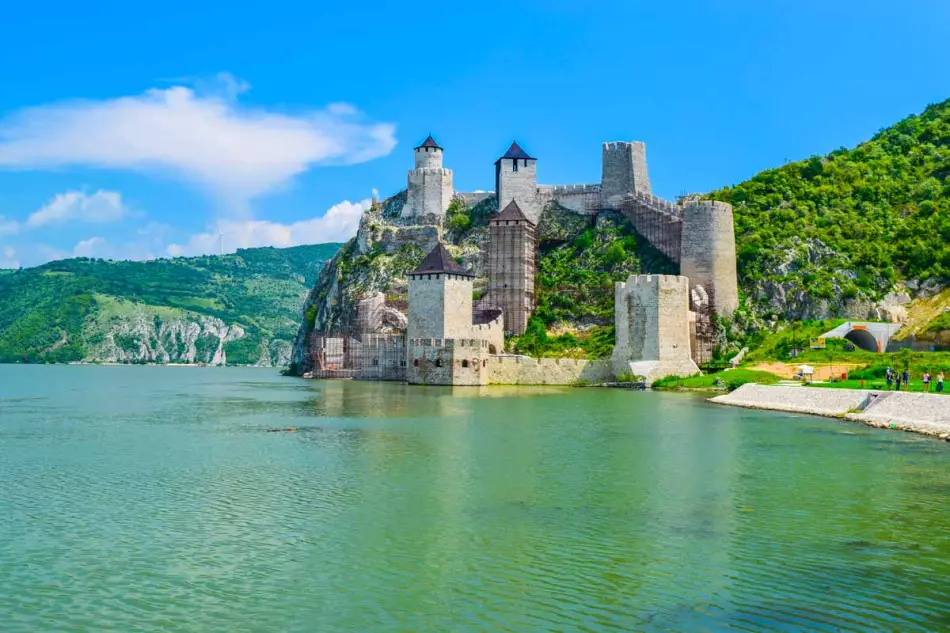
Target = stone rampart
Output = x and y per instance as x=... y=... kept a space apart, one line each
x=493 y=333
x=471 y=198
x=524 y=370
x=460 y=362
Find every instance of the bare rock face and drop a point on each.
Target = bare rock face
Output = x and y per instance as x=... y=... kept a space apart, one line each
x=139 y=336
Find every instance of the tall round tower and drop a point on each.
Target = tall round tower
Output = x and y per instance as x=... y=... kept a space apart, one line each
x=429 y=154
x=708 y=253
x=429 y=188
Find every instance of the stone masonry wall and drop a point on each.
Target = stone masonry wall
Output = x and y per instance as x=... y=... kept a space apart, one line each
x=708 y=253
x=624 y=169
x=428 y=158
x=652 y=326
x=520 y=186
x=447 y=362
x=440 y=306
x=429 y=193
x=523 y=370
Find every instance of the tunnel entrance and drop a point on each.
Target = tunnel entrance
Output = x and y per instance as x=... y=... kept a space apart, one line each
x=863 y=340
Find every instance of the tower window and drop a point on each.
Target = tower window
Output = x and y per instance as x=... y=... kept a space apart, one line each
x=415 y=363
x=464 y=363
x=438 y=362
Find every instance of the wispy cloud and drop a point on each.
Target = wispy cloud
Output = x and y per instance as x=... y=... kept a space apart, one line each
x=99 y=208
x=8 y=227
x=203 y=136
x=338 y=224
x=8 y=258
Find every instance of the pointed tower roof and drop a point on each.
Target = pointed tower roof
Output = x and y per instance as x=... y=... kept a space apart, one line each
x=440 y=260
x=515 y=151
x=429 y=142
x=512 y=212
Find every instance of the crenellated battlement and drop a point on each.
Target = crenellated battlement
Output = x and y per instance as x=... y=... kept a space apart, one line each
x=449 y=343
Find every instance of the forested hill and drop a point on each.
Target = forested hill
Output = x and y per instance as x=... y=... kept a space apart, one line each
x=817 y=236
x=242 y=308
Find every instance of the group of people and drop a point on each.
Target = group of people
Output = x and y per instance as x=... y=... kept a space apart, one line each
x=892 y=376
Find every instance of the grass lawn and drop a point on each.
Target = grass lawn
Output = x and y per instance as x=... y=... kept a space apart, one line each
x=879 y=384
x=729 y=379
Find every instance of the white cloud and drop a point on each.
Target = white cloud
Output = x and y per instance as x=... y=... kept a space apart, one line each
x=89 y=248
x=8 y=227
x=237 y=152
x=99 y=208
x=8 y=258
x=338 y=224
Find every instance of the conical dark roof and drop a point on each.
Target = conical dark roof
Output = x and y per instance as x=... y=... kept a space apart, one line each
x=512 y=212
x=515 y=151
x=429 y=142
x=440 y=260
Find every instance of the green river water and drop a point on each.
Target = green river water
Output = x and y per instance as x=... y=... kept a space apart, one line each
x=155 y=499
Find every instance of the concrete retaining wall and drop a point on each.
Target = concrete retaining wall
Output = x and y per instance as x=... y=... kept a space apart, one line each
x=816 y=401
x=924 y=413
x=920 y=412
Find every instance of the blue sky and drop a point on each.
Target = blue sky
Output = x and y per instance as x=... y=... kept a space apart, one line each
x=134 y=131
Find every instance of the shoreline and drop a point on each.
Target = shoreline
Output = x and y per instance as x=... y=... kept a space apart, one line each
x=922 y=413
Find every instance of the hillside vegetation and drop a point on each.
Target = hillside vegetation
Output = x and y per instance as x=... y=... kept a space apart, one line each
x=247 y=304
x=814 y=234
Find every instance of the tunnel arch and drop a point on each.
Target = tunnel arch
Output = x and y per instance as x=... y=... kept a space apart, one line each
x=863 y=340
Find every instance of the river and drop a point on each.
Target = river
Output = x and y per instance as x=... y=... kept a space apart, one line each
x=158 y=499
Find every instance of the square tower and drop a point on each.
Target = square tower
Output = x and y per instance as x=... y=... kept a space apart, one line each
x=651 y=315
x=440 y=298
x=516 y=179
x=511 y=265
x=624 y=170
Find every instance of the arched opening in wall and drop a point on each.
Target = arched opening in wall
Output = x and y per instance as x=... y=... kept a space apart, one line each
x=863 y=339
x=492 y=349
x=415 y=363
x=438 y=362
x=465 y=363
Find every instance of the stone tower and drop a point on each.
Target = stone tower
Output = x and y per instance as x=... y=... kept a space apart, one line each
x=651 y=315
x=516 y=178
x=440 y=298
x=708 y=253
x=430 y=185
x=624 y=169
x=511 y=254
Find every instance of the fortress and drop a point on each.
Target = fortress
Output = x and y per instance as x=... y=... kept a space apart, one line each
x=663 y=323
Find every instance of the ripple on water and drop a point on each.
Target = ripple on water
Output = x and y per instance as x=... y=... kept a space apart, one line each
x=167 y=506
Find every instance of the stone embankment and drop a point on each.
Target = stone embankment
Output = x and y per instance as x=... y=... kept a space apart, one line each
x=928 y=414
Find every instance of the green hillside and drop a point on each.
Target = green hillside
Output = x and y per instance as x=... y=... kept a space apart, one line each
x=850 y=224
x=63 y=310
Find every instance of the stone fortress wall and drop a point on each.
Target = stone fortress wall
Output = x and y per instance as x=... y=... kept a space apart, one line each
x=523 y=370
x=698 y=235
x=461 y=362
x=657 y=333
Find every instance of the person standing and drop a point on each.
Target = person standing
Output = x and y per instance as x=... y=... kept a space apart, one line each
x=940 y=381
x=906 y=378
x=889 y=377
x=926 y=382
x=897 y=381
